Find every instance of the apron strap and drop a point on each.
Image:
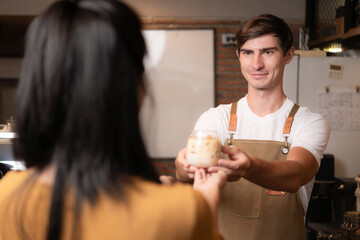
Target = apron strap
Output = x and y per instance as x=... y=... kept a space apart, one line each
x=290 y=119
x=287 y=128
x=233 y=118
x=288 y=123
x=232 y=122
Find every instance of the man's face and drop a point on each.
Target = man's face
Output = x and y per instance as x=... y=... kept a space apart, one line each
x=262 y=62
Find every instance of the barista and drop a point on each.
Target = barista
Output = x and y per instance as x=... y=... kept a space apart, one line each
x=274 y=147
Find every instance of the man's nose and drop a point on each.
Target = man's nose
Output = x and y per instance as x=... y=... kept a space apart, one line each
x=257 y=62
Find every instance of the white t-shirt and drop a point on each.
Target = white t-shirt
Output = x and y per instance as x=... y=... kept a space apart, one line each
x=309 y=130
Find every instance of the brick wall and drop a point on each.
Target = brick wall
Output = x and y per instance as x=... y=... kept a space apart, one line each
x=165 y=166
x=230 y=84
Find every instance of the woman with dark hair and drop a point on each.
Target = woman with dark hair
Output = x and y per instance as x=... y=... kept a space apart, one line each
x=88 y=174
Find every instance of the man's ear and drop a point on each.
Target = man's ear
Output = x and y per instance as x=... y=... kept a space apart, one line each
x=289 y=55
x=237 y=53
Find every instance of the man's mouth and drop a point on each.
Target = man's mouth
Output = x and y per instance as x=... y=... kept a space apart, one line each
x=256 y=74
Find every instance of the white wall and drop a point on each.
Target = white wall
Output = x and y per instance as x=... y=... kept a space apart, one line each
x=290 y=10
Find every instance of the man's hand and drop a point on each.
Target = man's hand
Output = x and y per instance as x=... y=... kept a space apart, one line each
x=236 y=167
x=184 y=171
x=281 y=175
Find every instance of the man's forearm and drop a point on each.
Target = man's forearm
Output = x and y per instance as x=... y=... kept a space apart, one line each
x=287 y=175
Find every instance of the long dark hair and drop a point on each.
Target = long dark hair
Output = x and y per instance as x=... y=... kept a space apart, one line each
x=262 y=25
x=77 y=101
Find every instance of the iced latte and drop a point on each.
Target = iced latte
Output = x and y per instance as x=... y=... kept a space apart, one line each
x=203 y=149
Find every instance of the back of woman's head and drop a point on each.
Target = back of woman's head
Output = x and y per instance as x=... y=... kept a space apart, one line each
x=77 y=97
x=77 y=101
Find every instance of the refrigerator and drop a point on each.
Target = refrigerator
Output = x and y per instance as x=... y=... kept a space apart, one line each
x=330 y=86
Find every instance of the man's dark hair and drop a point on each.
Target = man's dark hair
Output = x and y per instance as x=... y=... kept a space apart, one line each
x=262 y=25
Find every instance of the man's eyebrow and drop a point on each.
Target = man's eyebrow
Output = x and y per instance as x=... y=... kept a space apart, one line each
x=269 y=48
x=245 y=50
x=262 y=50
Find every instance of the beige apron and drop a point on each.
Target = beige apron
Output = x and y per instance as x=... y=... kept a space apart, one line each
x=250 y=212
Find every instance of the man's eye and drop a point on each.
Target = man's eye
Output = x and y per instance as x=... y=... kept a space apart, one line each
x=246 y=52
x=268 y=52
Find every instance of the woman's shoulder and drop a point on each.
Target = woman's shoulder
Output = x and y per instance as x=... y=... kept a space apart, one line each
x=18 y=174
x=12 y=180
x=177 y=198
x=167 y=206
x=177 y=192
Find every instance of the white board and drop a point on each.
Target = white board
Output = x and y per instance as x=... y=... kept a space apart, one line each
x=181 y=85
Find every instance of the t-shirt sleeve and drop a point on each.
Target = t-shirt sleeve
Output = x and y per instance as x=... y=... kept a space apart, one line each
x=215 y=119
x=203 y=228
x=313 y=135
x=207 y=121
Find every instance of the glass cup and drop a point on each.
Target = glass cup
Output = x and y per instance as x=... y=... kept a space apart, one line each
x=203 y=148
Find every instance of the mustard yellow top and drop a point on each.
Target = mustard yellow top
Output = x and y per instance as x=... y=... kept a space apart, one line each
x=150 y=211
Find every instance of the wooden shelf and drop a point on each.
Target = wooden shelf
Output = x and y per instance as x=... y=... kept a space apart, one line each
x=352 y=34
x=332 y=38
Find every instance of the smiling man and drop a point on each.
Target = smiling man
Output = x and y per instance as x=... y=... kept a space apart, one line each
x=272 y=146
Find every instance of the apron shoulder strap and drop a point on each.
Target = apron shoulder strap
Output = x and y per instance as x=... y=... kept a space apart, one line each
x=233 y=118
x=232 y=122
x=290 y=119
x=288 y=123
x=287 y=128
